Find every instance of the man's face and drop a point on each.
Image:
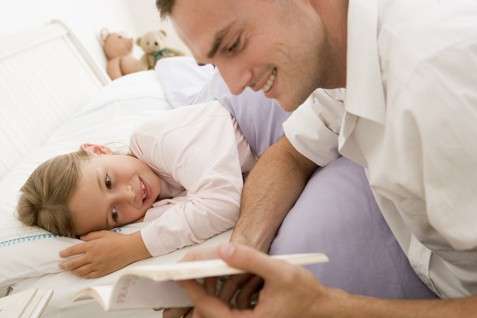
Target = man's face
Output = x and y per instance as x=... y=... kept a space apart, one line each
x=277 y=46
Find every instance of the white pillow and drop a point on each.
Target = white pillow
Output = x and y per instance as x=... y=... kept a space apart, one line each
x=111 y=117
x=187 y=83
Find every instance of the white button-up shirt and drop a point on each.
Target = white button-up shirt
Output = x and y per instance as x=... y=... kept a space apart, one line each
x=409 y=116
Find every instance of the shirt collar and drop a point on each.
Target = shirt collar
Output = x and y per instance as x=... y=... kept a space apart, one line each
x=364 y=85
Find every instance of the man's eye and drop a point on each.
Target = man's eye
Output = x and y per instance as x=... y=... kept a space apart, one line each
x=107 y=182
x=115 y=215
x=234 y=46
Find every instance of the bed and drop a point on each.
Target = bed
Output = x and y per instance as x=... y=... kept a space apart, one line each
x=54 y=97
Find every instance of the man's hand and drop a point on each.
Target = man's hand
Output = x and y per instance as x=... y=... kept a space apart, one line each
x=178 y=313
x=289 y=291
x=243 y=287
x=210 y=284
x=102 y=253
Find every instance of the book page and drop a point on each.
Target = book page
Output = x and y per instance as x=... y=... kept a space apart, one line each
x=138 y=292
x=133 y=292
x=99 y=293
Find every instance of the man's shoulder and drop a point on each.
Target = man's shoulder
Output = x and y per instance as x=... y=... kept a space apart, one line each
x=423 y=28
x=422 y=35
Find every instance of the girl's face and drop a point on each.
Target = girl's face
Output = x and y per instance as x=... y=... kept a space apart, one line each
x=113 y=190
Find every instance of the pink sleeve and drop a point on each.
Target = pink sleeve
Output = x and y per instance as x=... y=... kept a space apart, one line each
x=201 y=154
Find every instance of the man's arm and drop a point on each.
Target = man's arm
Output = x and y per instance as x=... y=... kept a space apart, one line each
x=270 y=191
x=292 y=291
x=374 y=307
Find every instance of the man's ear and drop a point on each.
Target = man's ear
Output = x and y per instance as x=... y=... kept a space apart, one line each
x=94 y=149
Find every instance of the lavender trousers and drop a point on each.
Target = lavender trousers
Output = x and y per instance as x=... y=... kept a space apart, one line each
x=335 y=214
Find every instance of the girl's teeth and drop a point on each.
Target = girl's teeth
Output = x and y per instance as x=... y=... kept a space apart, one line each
x=143 y=188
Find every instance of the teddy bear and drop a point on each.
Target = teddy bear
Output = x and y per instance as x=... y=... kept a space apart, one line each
x=118 y=50
x=154 y=49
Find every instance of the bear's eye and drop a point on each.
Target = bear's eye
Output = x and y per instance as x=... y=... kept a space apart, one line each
x=120 y=36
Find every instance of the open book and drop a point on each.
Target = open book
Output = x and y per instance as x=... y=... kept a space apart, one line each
x=154 y=286
x=26 y=304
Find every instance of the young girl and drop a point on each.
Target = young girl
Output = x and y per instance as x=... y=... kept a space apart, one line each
x=184 y=177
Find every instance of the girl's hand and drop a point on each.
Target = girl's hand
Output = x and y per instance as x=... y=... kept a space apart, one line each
x=102 y=253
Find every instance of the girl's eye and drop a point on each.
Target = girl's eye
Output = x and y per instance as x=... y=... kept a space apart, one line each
x=107 y=182
x=115 y=215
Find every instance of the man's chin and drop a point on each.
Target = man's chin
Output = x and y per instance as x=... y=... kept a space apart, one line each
x=290 y=104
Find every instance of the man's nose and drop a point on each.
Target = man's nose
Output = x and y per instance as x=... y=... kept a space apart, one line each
x=235 y=76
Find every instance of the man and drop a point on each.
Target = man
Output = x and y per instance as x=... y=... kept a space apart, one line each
x=407 y=116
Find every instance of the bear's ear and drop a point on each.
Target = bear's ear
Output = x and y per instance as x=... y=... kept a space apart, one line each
x=103 y=35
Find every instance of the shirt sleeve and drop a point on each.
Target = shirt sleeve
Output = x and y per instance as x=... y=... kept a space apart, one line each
x=199 y=151
x=314 y=127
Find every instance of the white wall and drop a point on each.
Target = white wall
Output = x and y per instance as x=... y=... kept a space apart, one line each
x=146 y=17
x=85 y=17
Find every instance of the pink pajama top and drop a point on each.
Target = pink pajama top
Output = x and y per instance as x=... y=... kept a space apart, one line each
x=200 y=156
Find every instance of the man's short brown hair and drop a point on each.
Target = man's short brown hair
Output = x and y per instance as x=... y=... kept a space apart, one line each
x=165 y=7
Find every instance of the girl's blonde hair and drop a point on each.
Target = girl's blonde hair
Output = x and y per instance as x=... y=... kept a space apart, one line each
x=45 y=195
